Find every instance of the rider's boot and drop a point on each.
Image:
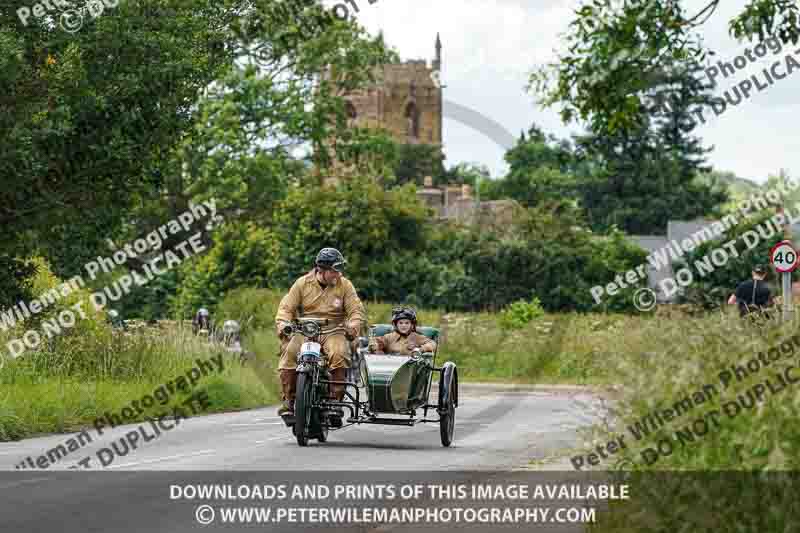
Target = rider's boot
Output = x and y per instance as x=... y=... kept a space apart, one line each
x=288 y=384
x=337 y=393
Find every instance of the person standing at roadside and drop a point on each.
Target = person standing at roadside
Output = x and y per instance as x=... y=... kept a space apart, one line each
x=753 y=295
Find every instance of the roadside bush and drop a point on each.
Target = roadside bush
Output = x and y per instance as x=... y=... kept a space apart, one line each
x=518 y=314
x=368 y=224
x=243 y=255
x=545 y=252
x=252 y=308
x=711 y=290
x=748 y=436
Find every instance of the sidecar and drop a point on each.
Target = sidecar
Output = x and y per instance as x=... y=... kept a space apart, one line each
x=400 y=385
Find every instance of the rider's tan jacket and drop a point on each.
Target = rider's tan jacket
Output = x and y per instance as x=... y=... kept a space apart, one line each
x=307 y=298
x=395 y=343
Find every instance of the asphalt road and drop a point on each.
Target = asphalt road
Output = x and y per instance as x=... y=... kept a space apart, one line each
x=496 y=430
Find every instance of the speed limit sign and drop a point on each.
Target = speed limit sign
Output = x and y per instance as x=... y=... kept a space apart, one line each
x=783 y=256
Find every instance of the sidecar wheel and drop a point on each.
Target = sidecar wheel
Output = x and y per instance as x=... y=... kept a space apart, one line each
x=302 y=409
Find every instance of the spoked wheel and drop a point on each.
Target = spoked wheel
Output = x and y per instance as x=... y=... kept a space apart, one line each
x=318 y=422
x=302 y=409
x=447 y=422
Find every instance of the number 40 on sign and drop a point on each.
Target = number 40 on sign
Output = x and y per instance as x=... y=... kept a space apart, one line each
x=784 y=257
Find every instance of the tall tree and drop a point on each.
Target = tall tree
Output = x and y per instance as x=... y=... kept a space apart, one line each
x=541 y=168
x=649 y=174
x=615 y=48
x=88 y=116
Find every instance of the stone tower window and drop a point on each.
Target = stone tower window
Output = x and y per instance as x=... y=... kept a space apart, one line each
x=412 y=118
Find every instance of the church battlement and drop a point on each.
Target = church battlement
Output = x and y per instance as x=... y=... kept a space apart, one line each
x=406 y=101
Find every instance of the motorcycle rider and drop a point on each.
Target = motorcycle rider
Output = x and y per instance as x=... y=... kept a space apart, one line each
x=404 y=339
x=201 y=324
x=231 y=337
x=321 y=293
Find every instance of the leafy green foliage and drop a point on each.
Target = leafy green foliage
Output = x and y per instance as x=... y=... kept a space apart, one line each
x=545 y=252
x=15 y=280
x=367 y=223
x=614 y=54
x=518 y=314
x=647 y=174
x=90 y=114
x=417 y=161
x=243 y=255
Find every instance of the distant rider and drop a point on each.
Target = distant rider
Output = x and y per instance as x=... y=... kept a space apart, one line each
x=201 y=324
x=321 y=293
x=404 y=340
x=231 y=336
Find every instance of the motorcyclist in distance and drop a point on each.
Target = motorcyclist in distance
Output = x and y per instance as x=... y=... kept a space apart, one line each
x=201 y=324
x=231 y=336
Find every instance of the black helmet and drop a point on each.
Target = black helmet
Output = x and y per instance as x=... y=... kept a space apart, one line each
x=400 y=313
x=760 y=269
x=330 y=259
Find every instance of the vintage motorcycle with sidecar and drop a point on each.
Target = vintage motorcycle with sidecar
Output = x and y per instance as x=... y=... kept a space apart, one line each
x=377 y=385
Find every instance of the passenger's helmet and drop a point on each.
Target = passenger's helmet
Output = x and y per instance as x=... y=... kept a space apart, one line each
x=330 y=259
x=400 y=313
x=202 y=312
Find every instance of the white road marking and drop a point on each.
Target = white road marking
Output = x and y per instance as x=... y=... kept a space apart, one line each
x=34 y=480
x=259 y=424
x=182 y=456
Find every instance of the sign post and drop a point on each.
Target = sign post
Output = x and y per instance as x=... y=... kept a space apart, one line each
x=784 y=258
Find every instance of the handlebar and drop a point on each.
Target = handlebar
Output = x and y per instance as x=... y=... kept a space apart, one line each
x=297 y=327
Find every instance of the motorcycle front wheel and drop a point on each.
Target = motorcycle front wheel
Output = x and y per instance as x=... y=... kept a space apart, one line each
x=302 y=408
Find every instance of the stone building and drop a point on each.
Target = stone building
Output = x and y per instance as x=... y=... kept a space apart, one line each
x=406 y=101
x=456 y=203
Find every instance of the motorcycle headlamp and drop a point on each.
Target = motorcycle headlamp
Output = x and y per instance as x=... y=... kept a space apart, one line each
x=311 y=329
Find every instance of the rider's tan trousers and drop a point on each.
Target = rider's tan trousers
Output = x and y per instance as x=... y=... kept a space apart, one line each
x=336 y=346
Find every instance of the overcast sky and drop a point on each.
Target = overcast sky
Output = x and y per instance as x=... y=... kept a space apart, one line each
x=491 y=46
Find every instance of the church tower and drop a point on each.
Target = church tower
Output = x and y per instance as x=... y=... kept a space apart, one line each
x=406 y=101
